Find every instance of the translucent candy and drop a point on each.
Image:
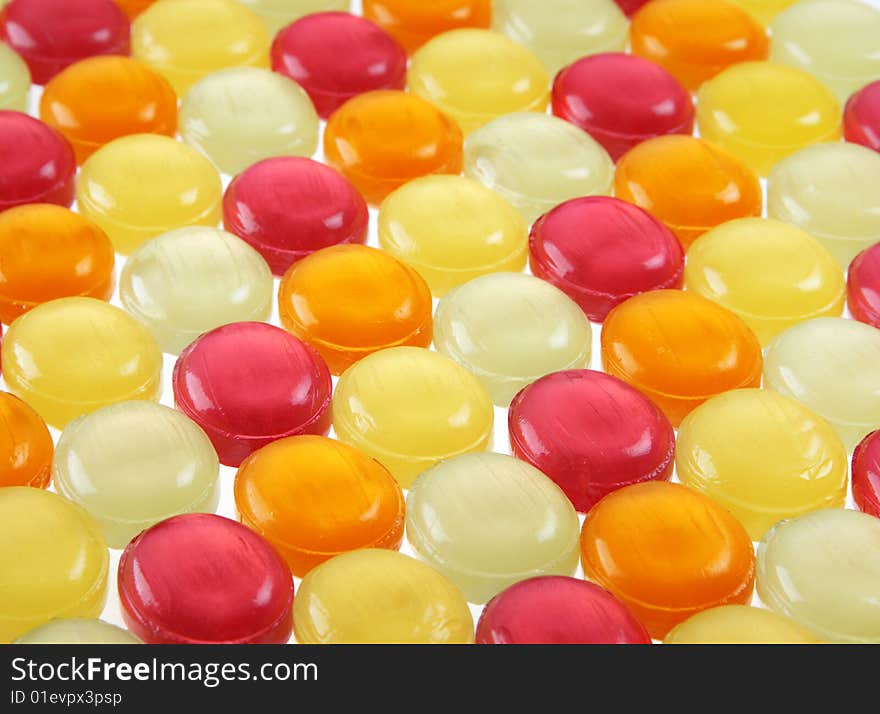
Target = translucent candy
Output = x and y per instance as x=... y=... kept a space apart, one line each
x=15 y=80
x=26 y=447
x=77 y=631
x=739 y=625
x=414 y=23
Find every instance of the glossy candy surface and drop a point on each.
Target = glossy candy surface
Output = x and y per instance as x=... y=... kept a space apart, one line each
x=15 y=80
x=77 y=631
x=248 y=384
x=313 y=498
x=414 y=23
x=763 y=456
x=74 y=355
x=668 y=553
x=863 y=286
x=764 y=10
x=200 y=578
x=601 y=251
x=133 y=8
x=350 y=301
x=380 y=597
x=861 y=118
x=288 y=207
x=556 y=610
x=591 y=433
x=487 y=521
x=277 y=14
x=411 y=408
x=739 y=625
x=866 y=474
x=26 y=446
x=679 y=349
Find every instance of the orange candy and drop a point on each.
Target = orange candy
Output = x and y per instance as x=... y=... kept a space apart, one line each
x=26 y=447
x=668 y=553
x=381 y=140
x=49 y=252
x=133 y=8
x=695 y=39
x=313 y=498
x=679 y=349
x=414 y=23
x=100 y=99
x=688 y=184
x=349 y=301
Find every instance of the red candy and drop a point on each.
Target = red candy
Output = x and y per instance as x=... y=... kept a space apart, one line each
x=204 y=579
x=558 y=611
x=861 y=118
x=37 y=164
x=622 y=100
x=335 y=56
x=866 y=475
x=248 y=384
x=630 y=7
x=863 y=286
x=53 y=34
x=591 y=433
x=601 y=251
x=288 y=207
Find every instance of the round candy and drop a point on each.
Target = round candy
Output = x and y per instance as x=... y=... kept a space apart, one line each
x=601 y=251
x=763 y=456
x=772 y=274
x=48 y=253
x=667 y=552
x=591 y=433
x=764 y=10
x=537 y=161
x=622 y=100
x=630 y=7
x=191 y=280
x=695 y=40
x=834 y=40
x=335 y=56
x=380 y=597
x=15 y=80
x=410 y=409
x=861 y=117
x=248 y=384
x=287 y=208
x=510 y=329
x=561 y=31
x=38 y=163
x=381 y=140
x=26 y=446
x=475 y=76
x=313 y=498
x=487 y=521
x=414 y=23
x=134 y=464
x=689 y=184
x=762 y=112
x=739 y=625
x=184 y=40
x=132 y=8
x=53 y=34
x=863 y=286
x=349 y=301
x=830 y=364
x=77 y=631
x=100 y=99
x=241 y=115
x=452 y=229
x=679 y=349
x=53 y=562
x=140 y=186
x=203 y=579
x=829 y=190
x=556 y=610
x=866 y=474
x=71 y=356
x=823 y=571
x=277 y=14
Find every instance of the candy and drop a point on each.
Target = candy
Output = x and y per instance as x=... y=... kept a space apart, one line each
x=866 y=475
x=349 y=301
x=510 y=329
x=26 y=446
x=414 y=23
x=764 y=10
x=630 y=7
x=410 y=409
x=380 y=597
x=861 y=117
x=203 y=579
x=276 y=14
x=77 y=631
x=313 y=498
x=15 y=80
x=132 y=8
x=863 y=286
x=739 y=625
x=487 y=521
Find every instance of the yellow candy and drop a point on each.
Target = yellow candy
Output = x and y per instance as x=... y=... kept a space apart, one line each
x=15 y=80
x=739 y=625
x=78 y=631
x=764 y=10
x=277 y=14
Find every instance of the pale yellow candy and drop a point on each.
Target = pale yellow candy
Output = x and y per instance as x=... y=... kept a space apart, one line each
x=78 y=631
x=837 y=41
x=15 y=79
x=561 y=31
x=830 y=190
x=537 y=161
x=832 y=366
x=487 y=521
x=379 y=597
x=823 y=571
x=510 y=329
x=189 y=281
x=134 y=464
x=739 y=625
x=773 y=275
x=764 y=10
x=277 y=14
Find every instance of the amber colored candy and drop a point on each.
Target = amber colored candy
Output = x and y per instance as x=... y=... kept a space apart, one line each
x=668 y=553
x=414 y=23
x=26 y=447
x=133 y=8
